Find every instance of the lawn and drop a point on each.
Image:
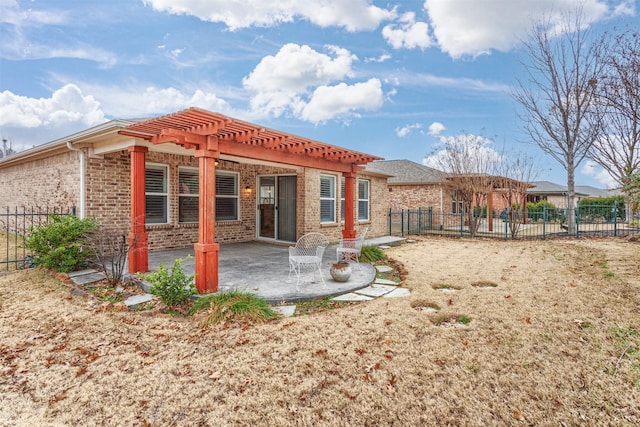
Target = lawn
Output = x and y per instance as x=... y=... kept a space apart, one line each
x=493 y=333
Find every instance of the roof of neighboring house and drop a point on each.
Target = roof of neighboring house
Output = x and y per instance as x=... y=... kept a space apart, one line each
x=551 y=188
x=596 y=192
x=406 y=172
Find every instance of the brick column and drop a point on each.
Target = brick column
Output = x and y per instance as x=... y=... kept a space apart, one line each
x=349 y=231
x=138 y=237
x=207 y=250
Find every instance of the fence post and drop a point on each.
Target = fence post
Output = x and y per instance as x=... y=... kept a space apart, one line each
x=419 y=221
x=430 y=213
x=576 y=214
x=389 y=225
x=461 y=222
x=506 y=224
x=615 y=219
x=402 y=222
x=544 y=222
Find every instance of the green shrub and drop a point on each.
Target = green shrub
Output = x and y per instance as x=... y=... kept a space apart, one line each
x=233 y=305
x=61 y=244
x=172 y=287
x=371 y=254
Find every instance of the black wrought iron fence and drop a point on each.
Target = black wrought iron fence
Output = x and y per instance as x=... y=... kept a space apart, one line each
x=15 y=224
x=514 y=223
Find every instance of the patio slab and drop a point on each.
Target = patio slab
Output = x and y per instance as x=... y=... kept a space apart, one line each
x=263 y=269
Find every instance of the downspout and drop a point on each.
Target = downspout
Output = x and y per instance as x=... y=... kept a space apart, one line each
x=83 y=189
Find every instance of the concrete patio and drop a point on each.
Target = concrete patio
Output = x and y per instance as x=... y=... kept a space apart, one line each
x=263 y=268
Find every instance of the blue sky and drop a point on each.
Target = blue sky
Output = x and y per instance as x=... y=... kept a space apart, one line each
x=387 y=78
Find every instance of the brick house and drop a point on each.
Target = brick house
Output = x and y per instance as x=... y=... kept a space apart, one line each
x=200 y=178
x=412 y=186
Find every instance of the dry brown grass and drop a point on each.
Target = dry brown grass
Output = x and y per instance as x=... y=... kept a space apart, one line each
x=10 y=249
x=553 y=343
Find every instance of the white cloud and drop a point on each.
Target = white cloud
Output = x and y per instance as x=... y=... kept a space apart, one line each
x=408 y=34
x=295 y=68
x=464 y=27
x=382 y=58
x=401 y=132
x=31 y=121
x=591 y=168
x=67 y=105
x=142 y=101
x=342 y=101
x=353 y=15
x=298 y=79
x=436 y=128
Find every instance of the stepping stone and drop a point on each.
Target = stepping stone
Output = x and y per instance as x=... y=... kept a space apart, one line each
x=134 y=300
x=351 y=297
x=376 y=290
x=383 y=268
x=285 y=310
x=384 y=247
x=410 y=241
x=385 y=282
x=87 y=278
x=81 y=272
x=398 y=292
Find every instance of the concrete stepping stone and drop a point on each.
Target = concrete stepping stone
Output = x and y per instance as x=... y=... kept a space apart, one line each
x=81 y=272
x=285 y=310
x=384 y=247
x=383 y=268
x=376 y=290
x=87 y=278
x=385 y=282
x=352 y=297
x=397 y=293
x=134 y=300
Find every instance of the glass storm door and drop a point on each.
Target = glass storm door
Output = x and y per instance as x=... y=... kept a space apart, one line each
x=277 y=208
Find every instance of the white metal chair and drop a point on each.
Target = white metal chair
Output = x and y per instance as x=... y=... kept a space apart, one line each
x=308 y=252
x=349 y=249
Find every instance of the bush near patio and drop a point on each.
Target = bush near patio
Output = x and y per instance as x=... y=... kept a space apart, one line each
x=61 y=244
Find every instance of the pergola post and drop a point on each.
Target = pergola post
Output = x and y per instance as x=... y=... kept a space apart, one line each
x=207 y=250
x=138 y=237
x=349 y=231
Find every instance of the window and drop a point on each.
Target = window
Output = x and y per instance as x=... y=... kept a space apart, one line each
x=363 y=200
x=156 y=192
x=227 y=199
x=188 y=184
x=327 y=198
x=342 y=199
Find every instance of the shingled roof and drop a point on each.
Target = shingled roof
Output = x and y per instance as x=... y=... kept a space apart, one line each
x=405 y=172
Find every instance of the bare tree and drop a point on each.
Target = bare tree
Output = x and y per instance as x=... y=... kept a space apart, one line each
x=617 y=151
x=469 y=162
x=515 y=173
x=6 y=149
x=563 y=70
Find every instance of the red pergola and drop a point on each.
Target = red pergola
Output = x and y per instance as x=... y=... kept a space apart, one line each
x=211 y=135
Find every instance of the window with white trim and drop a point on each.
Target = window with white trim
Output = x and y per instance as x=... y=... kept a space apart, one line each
x=363 y=200
x=188 y=192
x=156 y=189
x=342 y=199
x=227 y=196
x=327 y=198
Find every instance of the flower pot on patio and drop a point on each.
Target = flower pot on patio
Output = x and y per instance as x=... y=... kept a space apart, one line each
x=340 y=271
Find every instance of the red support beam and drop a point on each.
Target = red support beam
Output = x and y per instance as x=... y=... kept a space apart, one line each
x=349 y=231
x=138 y=237
x=207 y=250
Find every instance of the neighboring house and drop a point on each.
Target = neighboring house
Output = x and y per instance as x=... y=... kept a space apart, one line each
x=556 y=194
x=200 y=178
x=413 y=186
